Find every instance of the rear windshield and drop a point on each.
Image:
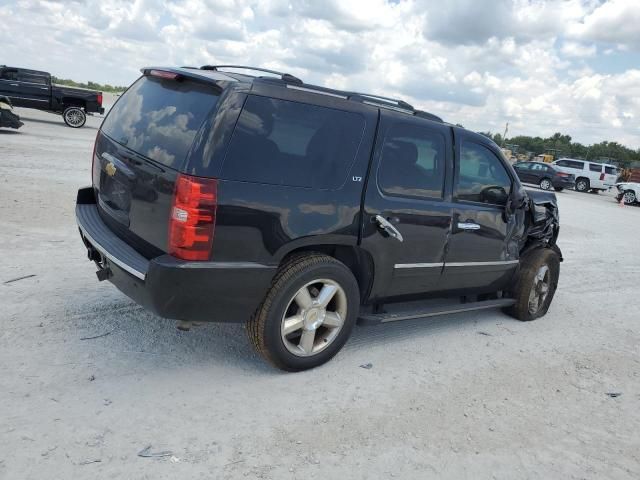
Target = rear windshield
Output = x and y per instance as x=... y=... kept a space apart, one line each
x=288 y=143
x=159 y=118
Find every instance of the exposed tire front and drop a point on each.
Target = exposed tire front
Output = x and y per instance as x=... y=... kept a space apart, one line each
x=536 y=284
x=545 y=184
x=308 y=313
x=582 y=185
x=74 y=117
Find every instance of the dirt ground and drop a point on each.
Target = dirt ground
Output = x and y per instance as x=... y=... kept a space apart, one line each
x=465 y=396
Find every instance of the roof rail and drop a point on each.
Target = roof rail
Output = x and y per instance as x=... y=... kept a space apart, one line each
x=286 y=77
x=401 y=104
x=428 y=116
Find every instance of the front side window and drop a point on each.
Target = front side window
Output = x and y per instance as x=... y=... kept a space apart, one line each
x=522 y=166
x=481 y=176
x=280 y=142
x=9 y=75
x=413 y=162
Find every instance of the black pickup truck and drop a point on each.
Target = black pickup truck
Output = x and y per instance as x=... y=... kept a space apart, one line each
x=34 y=89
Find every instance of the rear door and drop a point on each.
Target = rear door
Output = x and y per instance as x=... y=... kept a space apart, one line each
x=141 y=148
x=524 y=171
x=406 y=193
x=34 y=90
x=478 y=257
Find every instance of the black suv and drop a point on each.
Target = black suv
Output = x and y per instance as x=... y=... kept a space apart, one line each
x=221 y=196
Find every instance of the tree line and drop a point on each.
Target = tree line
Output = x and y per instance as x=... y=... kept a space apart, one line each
x=90 y=85
x=561 y=146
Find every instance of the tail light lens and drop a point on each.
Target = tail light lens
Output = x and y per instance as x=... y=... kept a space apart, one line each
x=602 y=176
x=100 y=99
x=193 y=217
x=562 y=174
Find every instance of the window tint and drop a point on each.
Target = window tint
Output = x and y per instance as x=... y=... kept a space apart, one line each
x=289 y=143
x=594 y=167
x=413 y=160
x=9 y=75
x=539 y=167
x=481 y=177
x=571 y=164
x=522 y=166
x=31 y=78
x=610 y=171
x=160 y=118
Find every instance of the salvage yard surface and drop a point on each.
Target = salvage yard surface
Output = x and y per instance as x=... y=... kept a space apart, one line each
x=92 y=386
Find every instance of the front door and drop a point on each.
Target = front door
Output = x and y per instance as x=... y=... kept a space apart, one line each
x=406 y=194
x=34 y=90
x=479 y=258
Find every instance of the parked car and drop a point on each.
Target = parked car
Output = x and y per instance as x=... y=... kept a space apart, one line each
x=544 y=175
x=629 y=192
x=8 y=119
x=589 y=175
x=300 y=209
x=33 y=89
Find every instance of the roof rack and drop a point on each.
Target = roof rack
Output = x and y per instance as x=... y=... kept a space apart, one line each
x=400 y=104
x=286 y=77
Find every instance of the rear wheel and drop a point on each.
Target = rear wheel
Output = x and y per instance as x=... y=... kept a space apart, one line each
x=74 y=117
x=582 y=185
x=307 y=315
x=545 y=184
x=536 y=284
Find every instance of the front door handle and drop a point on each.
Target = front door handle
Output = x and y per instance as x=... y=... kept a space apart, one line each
x=468 y=226
x=388 y=227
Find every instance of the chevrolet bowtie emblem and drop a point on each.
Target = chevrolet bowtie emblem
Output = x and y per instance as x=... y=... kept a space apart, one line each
x=110 y=168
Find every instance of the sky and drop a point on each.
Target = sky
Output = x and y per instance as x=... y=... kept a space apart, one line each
x=543 y=66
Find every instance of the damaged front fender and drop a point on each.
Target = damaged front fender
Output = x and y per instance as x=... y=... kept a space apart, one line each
x=542 y=225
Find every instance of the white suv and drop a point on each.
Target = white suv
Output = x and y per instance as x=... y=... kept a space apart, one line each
x=589 y=175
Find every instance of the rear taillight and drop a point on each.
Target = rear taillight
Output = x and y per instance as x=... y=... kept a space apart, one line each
x=193 y=217
x=562 y=174
x=100 y=99
x=602 y=176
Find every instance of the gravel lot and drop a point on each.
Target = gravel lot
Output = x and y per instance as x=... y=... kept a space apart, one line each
x=465 y=396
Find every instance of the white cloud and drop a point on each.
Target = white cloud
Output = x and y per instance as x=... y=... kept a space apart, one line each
x=534 y=63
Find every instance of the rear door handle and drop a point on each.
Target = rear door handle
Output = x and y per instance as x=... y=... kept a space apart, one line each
x=388 y=227
x=468 y=226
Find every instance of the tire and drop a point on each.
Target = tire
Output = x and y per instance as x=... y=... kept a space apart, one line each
x=629 y=197
x=541 y=261
x=74 y=117
x=545 y=184
x=558 y=189
x=287 y=305
x=582 y=185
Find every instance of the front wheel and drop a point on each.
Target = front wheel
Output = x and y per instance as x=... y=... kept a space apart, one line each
x=536 y=284
x=629 y=197
x=308 y=314
x=74 y=117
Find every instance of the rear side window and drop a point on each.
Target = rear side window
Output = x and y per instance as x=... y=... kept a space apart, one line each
x=280 y=142
x=481 y=176
x=594 y=167
x=159 y=118
x=412 y=162
x=31 y=78
x=610 y=170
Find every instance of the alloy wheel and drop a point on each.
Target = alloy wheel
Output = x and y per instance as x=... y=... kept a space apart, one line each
x=314 y=317
x=581 y=185
x=539 y=290
x=629 y=197
x=545 y=184
x=74 y=117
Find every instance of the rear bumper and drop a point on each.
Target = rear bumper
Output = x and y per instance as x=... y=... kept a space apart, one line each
x=560 y=182
x=169 y=287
